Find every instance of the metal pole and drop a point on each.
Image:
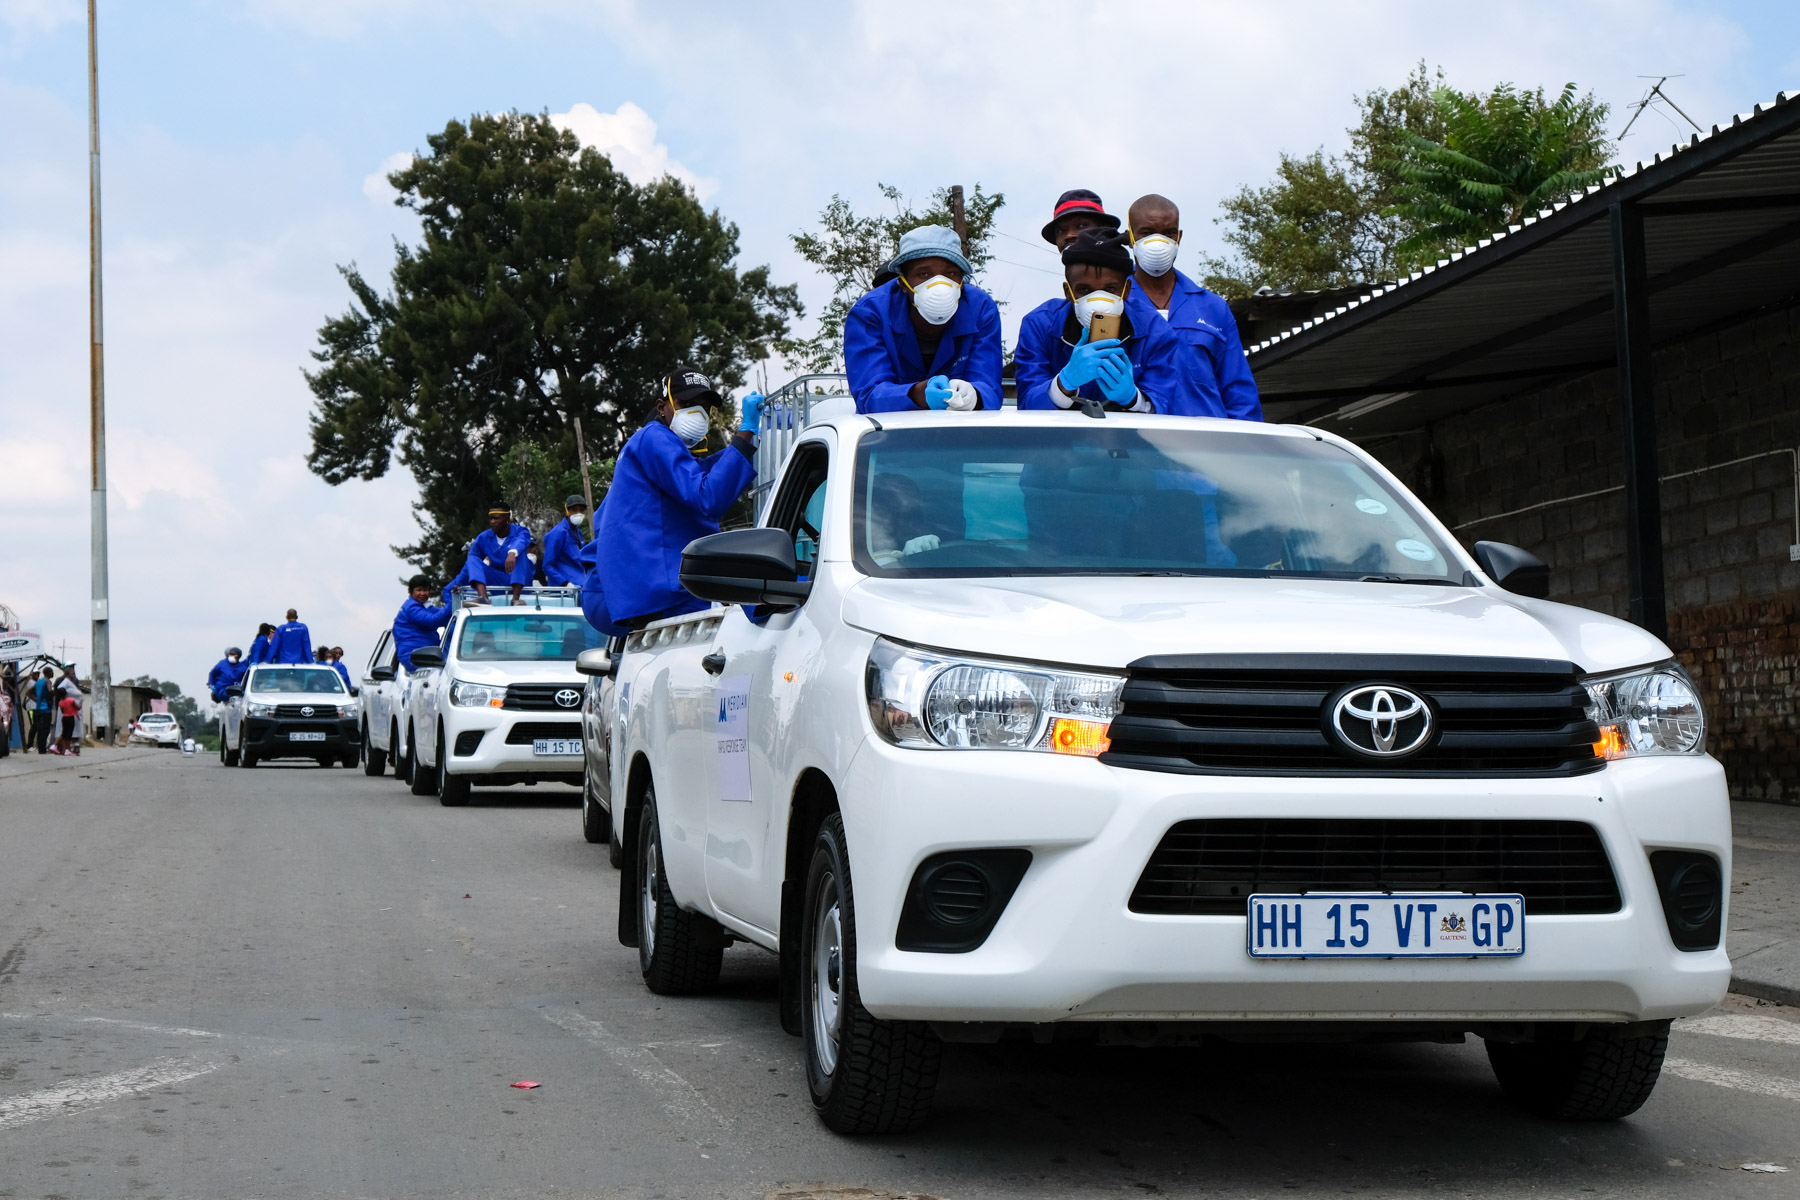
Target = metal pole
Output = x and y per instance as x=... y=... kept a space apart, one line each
x=587 y=485
x=1637 y=411
x=959 y=220
x=100 y=676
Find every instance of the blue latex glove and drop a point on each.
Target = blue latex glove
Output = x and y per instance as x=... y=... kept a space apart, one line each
x=750 y=413
x=1084 y=363
x=937 y=391
x=1117 y=382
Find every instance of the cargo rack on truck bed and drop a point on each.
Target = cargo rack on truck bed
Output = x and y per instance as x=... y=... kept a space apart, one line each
x=786 y=413
x=534 y=596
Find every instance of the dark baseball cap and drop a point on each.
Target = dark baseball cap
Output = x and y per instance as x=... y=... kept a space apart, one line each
x=1078 y=201
x=686 y=387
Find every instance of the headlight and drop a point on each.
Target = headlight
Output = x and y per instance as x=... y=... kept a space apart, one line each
x=347 y=710
x=1654 y=711
x=918 y=698
x=259 y=710
x=476 y=695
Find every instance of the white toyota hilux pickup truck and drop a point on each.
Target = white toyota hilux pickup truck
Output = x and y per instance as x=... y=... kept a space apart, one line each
x=1146 y=730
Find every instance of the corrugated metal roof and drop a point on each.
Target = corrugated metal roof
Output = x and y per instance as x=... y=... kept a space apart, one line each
x=1722 y=235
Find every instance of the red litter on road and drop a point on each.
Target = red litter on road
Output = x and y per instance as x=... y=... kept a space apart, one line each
x=526 y=1083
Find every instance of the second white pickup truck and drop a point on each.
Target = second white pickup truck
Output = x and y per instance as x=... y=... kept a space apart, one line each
x=1144 y=729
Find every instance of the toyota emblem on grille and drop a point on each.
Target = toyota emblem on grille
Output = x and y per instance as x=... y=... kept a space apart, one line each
x=306 y=711
x=1381 y=721
x=568 y=698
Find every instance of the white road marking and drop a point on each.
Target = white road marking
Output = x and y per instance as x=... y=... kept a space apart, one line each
x=1743 y=1081
x=679 y=1098
x=81 y=1095
x=1753 y=1029
x=111 y=1021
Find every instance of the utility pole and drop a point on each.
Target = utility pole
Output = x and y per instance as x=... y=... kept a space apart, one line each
x=587 y=485
x=959 y=220
x=100 y=676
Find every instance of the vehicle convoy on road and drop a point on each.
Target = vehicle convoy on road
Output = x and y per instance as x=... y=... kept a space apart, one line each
x=498 y=701
x=289 y=712
x=1139 y=730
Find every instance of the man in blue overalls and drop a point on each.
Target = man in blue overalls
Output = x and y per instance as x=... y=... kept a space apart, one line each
x=928 y=338
x=1201 y=319
x=497 y=555
x=562 y=545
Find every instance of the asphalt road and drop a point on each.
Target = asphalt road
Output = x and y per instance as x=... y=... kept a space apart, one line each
x=303 y=982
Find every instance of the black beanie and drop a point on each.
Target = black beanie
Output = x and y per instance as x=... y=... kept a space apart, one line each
x=1099 y=248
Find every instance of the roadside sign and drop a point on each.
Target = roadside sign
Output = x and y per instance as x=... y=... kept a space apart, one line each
x=18 y=644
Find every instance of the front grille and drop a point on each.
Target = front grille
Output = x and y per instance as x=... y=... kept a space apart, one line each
x=1270 y=715
x=318 y=710
x=527 y=732
x=1211 y=867
x=541 y=697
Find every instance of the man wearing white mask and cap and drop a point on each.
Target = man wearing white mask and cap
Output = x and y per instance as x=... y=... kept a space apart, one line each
x=927 y=339
x=1201 y=319
x=662 y=497
x=562 y=545
x=1144 y=369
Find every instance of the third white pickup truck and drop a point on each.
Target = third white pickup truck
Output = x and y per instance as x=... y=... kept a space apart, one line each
x=1141 y=729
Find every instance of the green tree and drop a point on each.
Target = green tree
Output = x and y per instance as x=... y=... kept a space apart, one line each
x=1503 y=156
x=851 y=251
x=546 y=287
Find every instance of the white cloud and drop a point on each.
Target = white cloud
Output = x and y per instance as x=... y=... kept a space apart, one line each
x=628 y=138
x=376 y=186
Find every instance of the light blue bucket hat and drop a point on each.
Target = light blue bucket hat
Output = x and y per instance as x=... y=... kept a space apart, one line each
x=930 y=241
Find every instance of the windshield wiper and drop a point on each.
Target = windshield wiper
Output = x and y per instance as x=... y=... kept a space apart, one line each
x=1425 y=579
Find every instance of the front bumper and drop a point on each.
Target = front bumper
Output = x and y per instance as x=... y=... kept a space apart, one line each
x=1068 y=948
x=268 y=737
x=497 y=742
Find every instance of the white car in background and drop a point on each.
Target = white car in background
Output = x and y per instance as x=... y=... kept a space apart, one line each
x=155 y=729
x=498 y=702
x=1141 y=729
x=281 y=711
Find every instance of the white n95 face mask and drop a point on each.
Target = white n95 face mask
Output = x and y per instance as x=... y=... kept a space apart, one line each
x=937 y=298
x=689 y=424
x=1155 y=253
x=577 y=518
x=1098 y=304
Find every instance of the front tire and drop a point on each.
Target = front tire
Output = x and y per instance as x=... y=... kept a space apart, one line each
x=865 y=1075
x=227 y=755
x=596 y=822
x=453 y=790
x=424 y=778
x=679 y=952
x=374 y=761
x=1606 y=1075
x=403 y=763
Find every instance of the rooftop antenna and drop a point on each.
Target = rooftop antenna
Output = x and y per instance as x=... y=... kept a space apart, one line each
x=1649 y=101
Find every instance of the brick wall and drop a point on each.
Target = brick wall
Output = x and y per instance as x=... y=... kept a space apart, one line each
x=1734 y=596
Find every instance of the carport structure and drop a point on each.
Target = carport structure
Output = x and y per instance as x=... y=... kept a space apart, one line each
x=1699 y=238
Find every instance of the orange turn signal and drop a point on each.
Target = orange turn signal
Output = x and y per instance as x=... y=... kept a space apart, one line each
x=497 y=702
x=1085 y=738
x=1611 y=743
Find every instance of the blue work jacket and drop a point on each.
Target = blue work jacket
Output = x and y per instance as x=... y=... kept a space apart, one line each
x=1160 y=364
x=416 y=625
x=662 y=497
x=261 y=651
x=487 y=557
x=223 y=675
x=881 y=349
x=1203 y=321
x=292 y=644
x=337 y=664
x=562 y=554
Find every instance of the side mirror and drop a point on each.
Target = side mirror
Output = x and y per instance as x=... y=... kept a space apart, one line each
x=382 y=673
x=236 y=689
x=594 y=662
x=745 y=566
x=428 y=656
x=1514 y=569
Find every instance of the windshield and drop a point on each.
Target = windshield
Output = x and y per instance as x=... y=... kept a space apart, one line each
x=525 y=637
x=1088 y=500
x=295 y=679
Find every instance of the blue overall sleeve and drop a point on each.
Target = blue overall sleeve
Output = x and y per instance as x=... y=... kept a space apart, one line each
x=869 y=360
x=708 y=488
x=985 y=356
x=1040 y=354
x=1177 y=380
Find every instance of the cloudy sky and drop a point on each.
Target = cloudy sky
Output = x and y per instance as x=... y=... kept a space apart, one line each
x=244 y=143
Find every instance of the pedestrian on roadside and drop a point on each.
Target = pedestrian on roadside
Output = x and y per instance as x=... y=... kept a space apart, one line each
x=291 y=644
x=70 y=708
x=43 y=713
x=6 y=717
x=70 y=687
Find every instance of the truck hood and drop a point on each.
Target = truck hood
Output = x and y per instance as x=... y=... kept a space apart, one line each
x=502 y=673
x=1111 y=622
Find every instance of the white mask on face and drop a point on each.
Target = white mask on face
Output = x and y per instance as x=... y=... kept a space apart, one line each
x=689 y=425
x=577 y=518
x=1155 y=253
x=1097 y=304
x=937 y=298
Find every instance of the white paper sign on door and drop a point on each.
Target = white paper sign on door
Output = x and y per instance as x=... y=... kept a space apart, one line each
x=733 y=732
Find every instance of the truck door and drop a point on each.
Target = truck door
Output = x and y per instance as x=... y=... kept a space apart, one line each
x=377 y=697
x=766 y=661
